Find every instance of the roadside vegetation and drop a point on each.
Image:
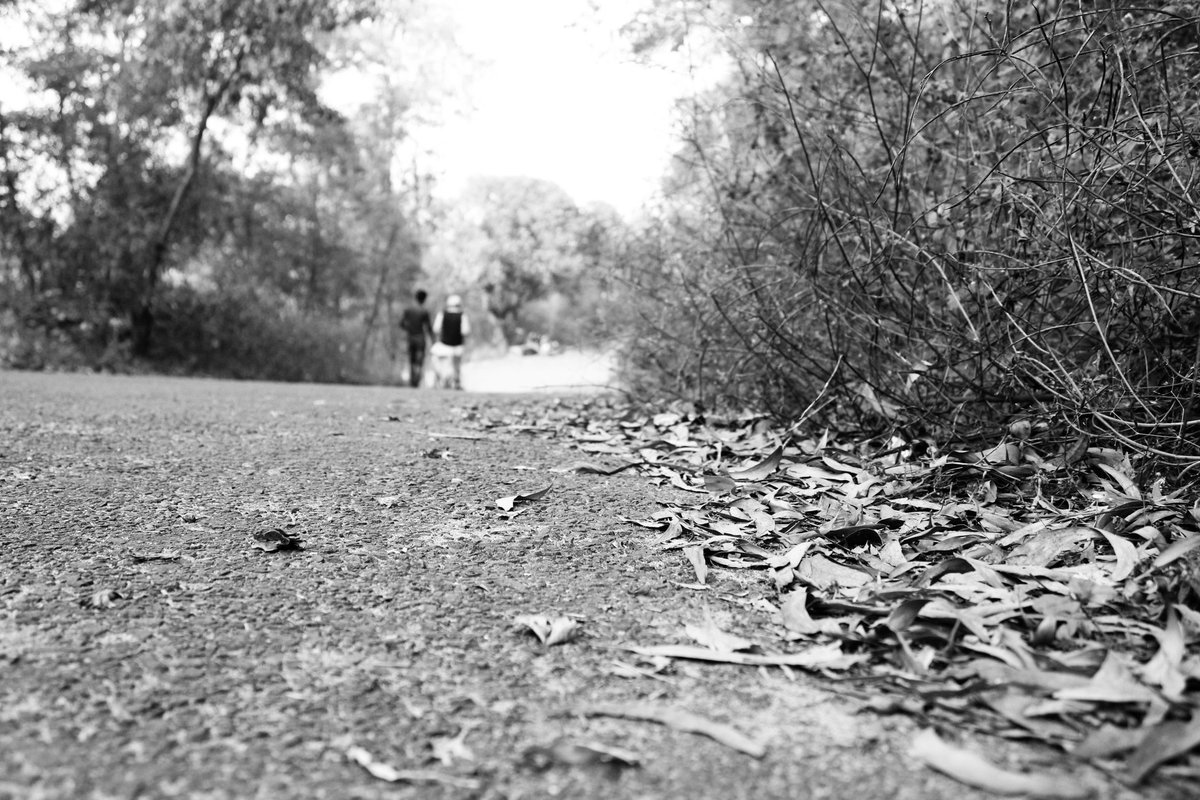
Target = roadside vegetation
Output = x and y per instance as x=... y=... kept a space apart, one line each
x=935 y=217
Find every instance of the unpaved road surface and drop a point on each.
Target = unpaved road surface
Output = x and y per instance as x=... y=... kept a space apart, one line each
x=148 y=649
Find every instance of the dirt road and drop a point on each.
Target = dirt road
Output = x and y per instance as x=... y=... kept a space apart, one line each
x=149 y=648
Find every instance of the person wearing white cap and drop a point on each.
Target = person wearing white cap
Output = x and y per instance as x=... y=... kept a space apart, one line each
x=450 y=330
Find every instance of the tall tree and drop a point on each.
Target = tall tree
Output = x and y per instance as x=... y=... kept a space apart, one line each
x=131 y=91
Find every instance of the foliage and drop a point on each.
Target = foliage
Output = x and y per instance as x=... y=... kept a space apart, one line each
x=539 y=259
x=169 y=146
x=1008 y=590
x=942 y=214
x=241 y=335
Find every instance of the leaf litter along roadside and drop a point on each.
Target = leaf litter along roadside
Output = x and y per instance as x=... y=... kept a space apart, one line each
x=1030 y=589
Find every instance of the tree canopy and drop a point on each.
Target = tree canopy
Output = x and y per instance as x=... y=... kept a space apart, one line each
x=159 y=145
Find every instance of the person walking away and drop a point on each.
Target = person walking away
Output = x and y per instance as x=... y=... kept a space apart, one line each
x=419 y=328
x=451 y=329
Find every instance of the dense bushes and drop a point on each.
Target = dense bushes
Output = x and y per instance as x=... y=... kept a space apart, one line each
x=944 y=214
x=198 y=333
x=248 y=337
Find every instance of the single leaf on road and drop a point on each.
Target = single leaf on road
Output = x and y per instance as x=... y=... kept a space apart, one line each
x=587 y=468
x=577 y=754
x=386 y=772
x=825 y=656
x=974 y=770
x=550 y=631
x=507 y=503
x=448 y=749
x=682 y=721
x=104 y=598
x=163 y=555
x=275 y=540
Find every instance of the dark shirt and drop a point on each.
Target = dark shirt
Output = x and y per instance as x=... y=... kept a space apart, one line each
x=416 y=323
x=452 y=328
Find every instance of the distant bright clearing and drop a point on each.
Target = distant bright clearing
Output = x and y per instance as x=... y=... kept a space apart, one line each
x=559 y=101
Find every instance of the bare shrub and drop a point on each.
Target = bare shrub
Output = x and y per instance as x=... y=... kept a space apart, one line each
x=949 y=214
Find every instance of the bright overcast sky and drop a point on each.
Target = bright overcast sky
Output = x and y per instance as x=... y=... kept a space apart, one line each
x=559 y=98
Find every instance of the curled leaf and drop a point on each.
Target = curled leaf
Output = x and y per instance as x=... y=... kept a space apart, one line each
x=550 y=631
x=275 y=540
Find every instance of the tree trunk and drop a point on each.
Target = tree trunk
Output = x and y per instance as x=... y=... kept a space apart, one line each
x=142 y=318
x=385 y=268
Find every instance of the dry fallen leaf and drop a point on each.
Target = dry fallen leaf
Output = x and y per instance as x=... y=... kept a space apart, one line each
x=712 y=637
x=795 y=613
x=974 y=770
x=1165 y=741
x=587 y=468
x=1107 y=741
x=103 y=598
x=507 y=503
x=825 y=656
x=577 y=754
x=162 y=555
x=761 y=471
x=1177 y=550
x=991 y=561
x=448 y=749
x=275 y=540
x=623 y=669
x=682 y=721
x=550 y=631
x=695 y=555
x=719 y=484
x=386 y=772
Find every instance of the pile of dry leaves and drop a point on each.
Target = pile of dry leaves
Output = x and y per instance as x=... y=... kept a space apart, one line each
x=1031 y=590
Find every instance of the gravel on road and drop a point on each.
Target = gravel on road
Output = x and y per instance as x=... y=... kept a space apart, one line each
x=151 y=647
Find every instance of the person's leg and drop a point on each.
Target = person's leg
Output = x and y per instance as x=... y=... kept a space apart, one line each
x=416 y=362
x=456 y=361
